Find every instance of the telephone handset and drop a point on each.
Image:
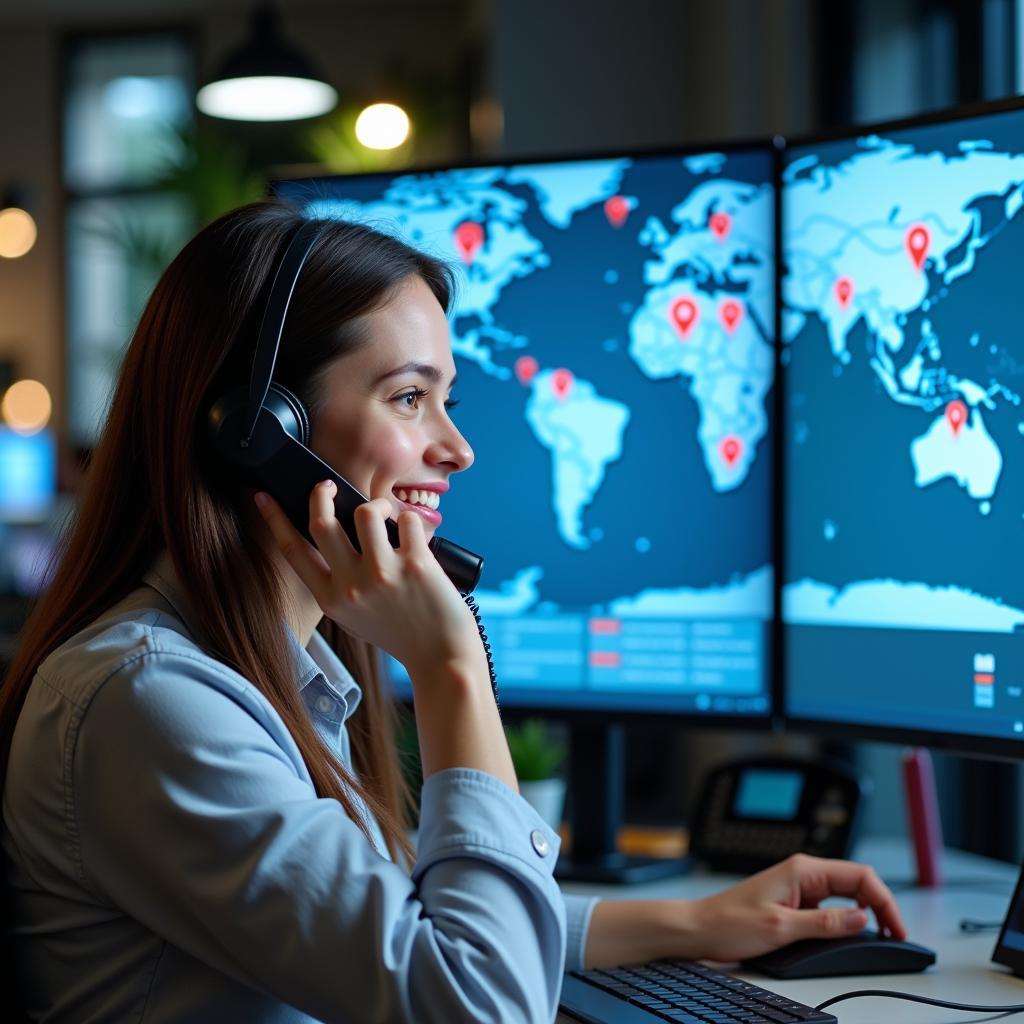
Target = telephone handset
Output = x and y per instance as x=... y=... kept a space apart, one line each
x=283 y=465
x=262 y=434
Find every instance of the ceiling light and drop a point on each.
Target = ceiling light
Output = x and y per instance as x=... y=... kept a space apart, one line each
x=266 y=79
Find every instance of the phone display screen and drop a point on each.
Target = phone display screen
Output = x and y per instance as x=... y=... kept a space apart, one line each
x=768 y=793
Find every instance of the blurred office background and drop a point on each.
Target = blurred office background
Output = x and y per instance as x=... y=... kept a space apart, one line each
x=102 y=145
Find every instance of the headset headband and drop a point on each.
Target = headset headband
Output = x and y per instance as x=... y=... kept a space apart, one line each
x=271 y=328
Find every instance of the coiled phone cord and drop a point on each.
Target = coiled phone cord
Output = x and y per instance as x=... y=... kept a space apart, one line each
x=475 y=609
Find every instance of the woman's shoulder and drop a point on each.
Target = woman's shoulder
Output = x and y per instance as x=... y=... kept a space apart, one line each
x=141 y=633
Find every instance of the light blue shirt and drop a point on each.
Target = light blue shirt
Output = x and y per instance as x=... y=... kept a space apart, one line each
x=168 y=859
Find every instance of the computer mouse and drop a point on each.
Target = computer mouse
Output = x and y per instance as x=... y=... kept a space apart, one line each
x=866 y=953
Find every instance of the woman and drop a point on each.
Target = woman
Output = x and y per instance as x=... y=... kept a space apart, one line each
x=198 y=822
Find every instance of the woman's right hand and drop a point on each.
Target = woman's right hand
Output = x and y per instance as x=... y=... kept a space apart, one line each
x=398 y=599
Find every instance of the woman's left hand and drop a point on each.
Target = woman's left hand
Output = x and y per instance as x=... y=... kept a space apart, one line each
x=781 y=905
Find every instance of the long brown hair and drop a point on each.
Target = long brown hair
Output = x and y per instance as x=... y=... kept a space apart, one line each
x=152 y=483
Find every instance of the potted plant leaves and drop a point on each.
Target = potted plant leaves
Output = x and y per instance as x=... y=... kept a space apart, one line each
x=537 y=755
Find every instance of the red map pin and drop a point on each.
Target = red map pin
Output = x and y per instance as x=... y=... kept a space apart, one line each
x=561 y=383
x=526 y=368
x=469 y=236
x=616 y=209
x=731 y=448
x=720 y=223
x=956 y=414
x=685 y=314
x=844 y=291
x=731 y=313
x=918 y=240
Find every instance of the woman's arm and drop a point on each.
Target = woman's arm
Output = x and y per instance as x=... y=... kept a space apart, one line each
x=770 y=909
x=400 y=600
x=195 y=816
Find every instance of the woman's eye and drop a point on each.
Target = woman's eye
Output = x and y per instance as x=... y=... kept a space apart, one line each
x=451 y=403
x=410 y=399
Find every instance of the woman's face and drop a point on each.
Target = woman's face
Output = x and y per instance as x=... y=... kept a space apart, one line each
x=384 y=421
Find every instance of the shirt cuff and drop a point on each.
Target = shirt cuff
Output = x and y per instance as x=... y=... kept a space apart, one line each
x=465 y=812
x=577 y=917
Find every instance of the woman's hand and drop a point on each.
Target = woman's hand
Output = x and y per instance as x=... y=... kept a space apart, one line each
x=781 y=905
x=770 y=909
x=398 y=599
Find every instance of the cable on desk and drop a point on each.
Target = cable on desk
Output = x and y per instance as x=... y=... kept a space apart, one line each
x=969 y=924
x=910 y=997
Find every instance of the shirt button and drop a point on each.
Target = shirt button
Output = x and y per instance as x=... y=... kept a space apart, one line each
x=324 y=704
x=540 y=842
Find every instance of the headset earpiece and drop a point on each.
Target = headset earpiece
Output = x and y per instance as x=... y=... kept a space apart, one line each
x=284 y=404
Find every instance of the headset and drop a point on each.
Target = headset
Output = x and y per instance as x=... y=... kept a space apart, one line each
x=262 y=433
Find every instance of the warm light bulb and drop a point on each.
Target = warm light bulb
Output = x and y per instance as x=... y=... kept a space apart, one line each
x=17 y=232
x=26 y=406
x=382 y=126
x=266 y=98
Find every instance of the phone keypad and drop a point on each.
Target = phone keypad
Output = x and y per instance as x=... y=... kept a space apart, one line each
x=770 y=841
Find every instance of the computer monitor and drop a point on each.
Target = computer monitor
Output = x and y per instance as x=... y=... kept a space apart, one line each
x=28 y=475
x=614 y=339
x=903 y=432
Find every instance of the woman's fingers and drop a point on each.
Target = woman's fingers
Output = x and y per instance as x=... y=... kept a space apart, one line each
x=411 y=536
x=373 y=535
x=326 y=529
x=820 y=878
x=308 y=563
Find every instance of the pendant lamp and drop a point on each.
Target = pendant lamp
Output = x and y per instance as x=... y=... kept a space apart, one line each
x=266 y=79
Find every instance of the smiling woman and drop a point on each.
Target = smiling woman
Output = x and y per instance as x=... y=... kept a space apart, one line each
x=215 y=658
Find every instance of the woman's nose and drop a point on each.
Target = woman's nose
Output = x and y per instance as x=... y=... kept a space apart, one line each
x=452 y=450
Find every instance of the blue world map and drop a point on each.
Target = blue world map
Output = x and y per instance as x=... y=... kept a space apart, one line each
x=613 y=338
x=904 y=368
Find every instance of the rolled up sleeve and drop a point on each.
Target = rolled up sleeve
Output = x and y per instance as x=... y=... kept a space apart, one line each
x=577 y=916
x=196 y=817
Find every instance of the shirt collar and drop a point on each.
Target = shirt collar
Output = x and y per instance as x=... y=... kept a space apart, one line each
x=315 y=660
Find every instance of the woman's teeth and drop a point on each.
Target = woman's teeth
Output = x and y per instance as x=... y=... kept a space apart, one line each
x=428 y=499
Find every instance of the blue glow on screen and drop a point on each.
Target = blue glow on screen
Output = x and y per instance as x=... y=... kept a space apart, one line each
x=28 y=475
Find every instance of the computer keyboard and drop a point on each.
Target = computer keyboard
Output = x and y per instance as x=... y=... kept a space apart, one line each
x=678 y=991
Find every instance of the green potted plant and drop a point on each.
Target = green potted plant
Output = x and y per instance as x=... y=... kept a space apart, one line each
x=537 y=755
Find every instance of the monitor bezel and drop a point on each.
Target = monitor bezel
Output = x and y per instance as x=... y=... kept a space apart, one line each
x=969 y=744
x=771 y=720
x=959 y=112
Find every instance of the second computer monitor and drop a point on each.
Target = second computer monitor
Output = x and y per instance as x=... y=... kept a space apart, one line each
x=613 y=334
x=903 y=447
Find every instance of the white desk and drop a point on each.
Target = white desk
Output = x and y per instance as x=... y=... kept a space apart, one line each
x=963 y=970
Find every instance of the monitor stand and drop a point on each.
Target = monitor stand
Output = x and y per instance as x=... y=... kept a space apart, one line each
x=596 y=786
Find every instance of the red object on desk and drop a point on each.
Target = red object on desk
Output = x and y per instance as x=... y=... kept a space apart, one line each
x=923 y=813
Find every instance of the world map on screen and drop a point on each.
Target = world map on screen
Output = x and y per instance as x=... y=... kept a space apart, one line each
x=903 y=260
x=613 y=338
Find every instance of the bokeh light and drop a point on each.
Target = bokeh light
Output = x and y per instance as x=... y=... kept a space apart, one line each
x=26 y=406
x=382 y=126
x=17 y=232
